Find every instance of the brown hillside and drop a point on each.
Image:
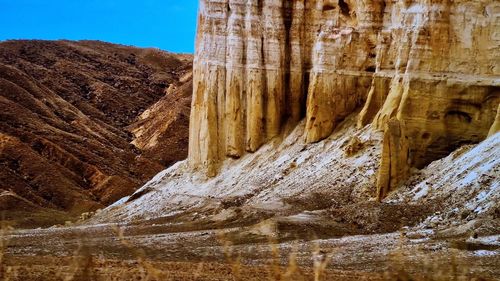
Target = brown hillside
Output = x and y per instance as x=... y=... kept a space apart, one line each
x=65 y=113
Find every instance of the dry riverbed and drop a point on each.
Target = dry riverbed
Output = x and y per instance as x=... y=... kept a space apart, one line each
x=139 y=252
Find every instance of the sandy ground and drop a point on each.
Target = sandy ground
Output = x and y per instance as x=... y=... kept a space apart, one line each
x=109 y=252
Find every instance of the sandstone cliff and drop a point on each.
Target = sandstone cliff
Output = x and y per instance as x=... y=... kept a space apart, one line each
x=425 y=72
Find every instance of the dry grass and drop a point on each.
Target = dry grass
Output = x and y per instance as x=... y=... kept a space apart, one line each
x=149 y=272
x=282 y=266
x=6 y=272
x=403 y=268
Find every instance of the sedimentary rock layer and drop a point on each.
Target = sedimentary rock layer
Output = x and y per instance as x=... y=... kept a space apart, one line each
x=436 y=85
x=426 y=72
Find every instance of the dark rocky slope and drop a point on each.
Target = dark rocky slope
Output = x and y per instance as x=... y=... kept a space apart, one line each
x=66 y=114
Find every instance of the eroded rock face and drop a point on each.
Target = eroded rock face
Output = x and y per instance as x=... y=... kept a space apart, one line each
x=438 y=78
x=426 y=72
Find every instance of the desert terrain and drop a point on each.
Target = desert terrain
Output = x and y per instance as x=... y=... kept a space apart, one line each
x=304 y=140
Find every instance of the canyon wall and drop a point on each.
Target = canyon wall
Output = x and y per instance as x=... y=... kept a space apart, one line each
x=426 y=72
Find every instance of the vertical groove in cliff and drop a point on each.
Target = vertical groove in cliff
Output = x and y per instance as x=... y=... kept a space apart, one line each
x=255 y=77
x=274 y=52
x=286 y=15
x=235 y=81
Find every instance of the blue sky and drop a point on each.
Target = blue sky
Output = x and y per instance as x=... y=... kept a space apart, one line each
x=166 y=24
